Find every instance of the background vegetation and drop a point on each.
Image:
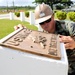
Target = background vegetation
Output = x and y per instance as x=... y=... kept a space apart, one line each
x=53 y=2
x=7 y=26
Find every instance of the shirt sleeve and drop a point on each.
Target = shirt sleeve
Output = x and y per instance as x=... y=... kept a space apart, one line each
x=71 y=28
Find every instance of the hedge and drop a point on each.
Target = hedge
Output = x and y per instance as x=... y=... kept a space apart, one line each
x=17 y=14
x=71 y=16
x=61 y=15
x=27 y=13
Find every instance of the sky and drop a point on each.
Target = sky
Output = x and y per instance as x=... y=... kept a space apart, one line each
x=18 y=2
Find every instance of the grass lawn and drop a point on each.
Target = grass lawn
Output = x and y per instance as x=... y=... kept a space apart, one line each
x=7 y=26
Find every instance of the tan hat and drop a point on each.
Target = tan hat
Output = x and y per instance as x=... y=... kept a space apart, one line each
x=42 y=13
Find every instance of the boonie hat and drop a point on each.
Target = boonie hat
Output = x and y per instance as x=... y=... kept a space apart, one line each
x=42 y=13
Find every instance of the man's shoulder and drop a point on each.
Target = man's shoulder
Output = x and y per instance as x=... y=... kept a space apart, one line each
x=67 y=26
x=61 y=28
x=61 y=23
x=66 y=23
x=70 y=25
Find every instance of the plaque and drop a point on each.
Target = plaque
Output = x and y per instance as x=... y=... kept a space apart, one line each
x=35 y=42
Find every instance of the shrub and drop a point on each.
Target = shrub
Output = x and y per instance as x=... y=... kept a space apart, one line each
x=55 y=11
x=71 y=16
x=17 y=14
x=27 y=14
x=61 y=15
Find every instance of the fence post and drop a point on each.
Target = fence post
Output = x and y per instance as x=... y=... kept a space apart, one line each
x=32 y=17
x=39 y=27
x=22 y=16
x=11 y=16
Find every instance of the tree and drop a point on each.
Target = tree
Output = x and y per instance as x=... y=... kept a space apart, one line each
x=51 y=2
x=68 y=3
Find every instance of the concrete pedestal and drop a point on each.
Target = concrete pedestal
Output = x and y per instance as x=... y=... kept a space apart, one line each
x=15 y=62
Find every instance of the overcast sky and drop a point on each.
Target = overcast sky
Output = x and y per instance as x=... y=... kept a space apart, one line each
x=17 y=2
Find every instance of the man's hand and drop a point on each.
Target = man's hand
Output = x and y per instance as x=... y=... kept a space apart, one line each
x=18 y=26
x=68 y=41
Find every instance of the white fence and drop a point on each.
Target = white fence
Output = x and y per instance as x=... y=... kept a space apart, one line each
x=22 y=17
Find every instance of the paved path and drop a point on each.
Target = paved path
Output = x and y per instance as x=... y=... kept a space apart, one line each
x=4 y=16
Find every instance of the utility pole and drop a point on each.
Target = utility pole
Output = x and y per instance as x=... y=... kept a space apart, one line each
x=7 y=4
x=52 y=4
x=13 y=6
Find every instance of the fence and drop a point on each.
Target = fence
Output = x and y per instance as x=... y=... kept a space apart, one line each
x=22 y=17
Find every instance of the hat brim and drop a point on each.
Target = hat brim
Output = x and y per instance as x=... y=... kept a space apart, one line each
x=42 y=19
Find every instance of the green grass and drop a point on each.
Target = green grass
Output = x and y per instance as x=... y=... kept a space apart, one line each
x=7 y=26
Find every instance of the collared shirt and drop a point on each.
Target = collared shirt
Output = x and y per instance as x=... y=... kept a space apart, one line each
x=65 y=28
x=61 y=28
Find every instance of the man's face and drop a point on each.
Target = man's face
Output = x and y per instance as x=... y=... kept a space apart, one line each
x=49 y=25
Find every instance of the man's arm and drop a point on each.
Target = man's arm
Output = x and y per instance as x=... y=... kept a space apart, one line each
x=68 y=41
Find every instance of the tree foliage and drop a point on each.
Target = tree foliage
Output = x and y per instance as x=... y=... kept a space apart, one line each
x=51 y=2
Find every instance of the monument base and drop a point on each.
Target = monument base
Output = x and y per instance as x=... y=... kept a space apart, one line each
x=17 y=62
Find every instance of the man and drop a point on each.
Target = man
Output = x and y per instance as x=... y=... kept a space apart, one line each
x=45 y=17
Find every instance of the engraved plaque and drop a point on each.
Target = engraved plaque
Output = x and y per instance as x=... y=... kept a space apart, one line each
x=35 y=42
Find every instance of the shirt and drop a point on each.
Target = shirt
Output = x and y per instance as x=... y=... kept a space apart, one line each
x=68 y=29
x=65 y=28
